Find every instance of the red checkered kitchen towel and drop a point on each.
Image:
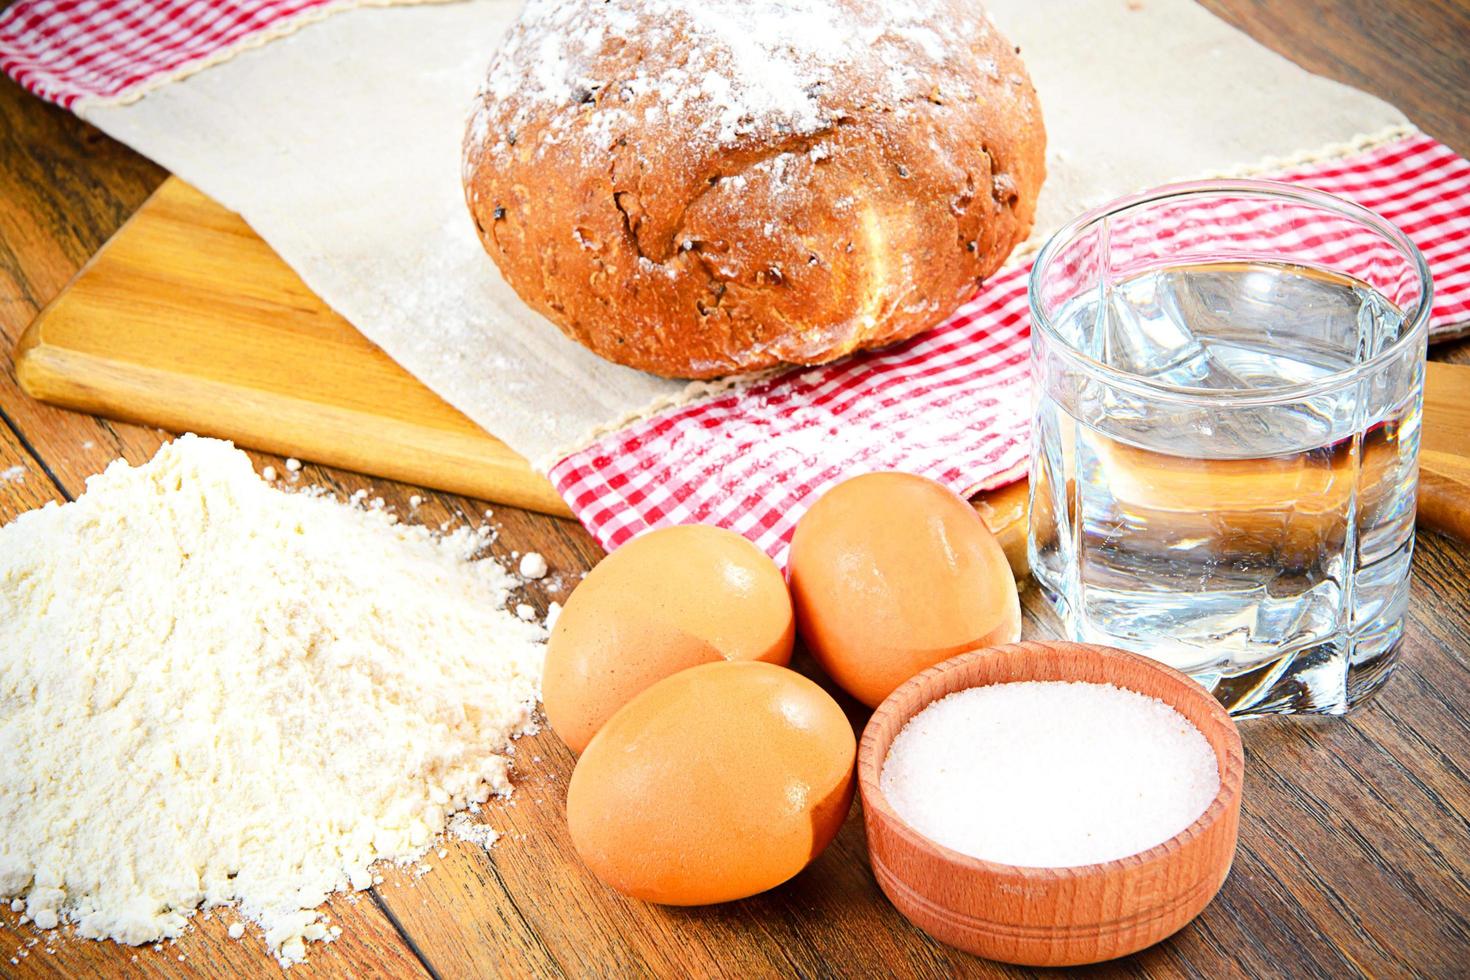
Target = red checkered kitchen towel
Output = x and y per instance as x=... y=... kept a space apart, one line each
x=953 y=404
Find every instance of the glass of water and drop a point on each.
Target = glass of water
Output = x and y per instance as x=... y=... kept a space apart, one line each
x=1229 y=376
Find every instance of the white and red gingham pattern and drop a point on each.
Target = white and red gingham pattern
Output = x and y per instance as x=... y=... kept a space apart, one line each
x=953 y=404
x=1423 y=187
x=746 y=459
x=68 y=51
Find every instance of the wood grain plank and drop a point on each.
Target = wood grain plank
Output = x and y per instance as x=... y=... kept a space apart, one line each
x=64 y=189
x=1411 y=54
x=369 y=946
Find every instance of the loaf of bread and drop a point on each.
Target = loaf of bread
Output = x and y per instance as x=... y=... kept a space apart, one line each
x=703 y=187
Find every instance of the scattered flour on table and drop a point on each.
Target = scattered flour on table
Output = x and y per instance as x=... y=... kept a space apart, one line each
x=215 y=692
x=461 y=827
x=13 y=474
x=533 y=565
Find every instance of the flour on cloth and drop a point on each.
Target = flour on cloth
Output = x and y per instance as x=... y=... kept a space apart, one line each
x=340 y=145
x=212 y=691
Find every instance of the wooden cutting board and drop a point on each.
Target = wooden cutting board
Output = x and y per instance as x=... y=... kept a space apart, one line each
x=187 y=320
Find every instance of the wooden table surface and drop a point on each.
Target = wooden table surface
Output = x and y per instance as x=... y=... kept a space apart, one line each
x=1354 y=852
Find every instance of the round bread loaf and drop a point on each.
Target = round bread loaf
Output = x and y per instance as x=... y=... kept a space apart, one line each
x=703 y=187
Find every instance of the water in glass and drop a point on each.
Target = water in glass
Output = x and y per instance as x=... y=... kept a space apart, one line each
x=1261 y=544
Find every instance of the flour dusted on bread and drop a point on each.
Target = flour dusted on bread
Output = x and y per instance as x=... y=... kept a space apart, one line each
x=699 y=187
x=742 y=67
x=215 y=692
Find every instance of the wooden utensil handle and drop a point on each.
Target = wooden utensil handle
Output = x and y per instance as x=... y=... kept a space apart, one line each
x=1444 y=494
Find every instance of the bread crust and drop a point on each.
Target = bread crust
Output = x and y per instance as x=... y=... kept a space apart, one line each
x=687 y=200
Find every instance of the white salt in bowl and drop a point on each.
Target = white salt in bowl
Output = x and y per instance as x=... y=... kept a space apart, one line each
x=1052 y=916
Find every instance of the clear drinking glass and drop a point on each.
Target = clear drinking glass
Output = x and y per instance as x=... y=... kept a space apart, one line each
x=1229 y=376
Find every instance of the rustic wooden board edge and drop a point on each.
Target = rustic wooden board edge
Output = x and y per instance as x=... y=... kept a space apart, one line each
x=413 y=455
x=130 y=393
x=59 y=360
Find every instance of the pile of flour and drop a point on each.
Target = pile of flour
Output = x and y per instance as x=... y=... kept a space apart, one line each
x=215 y=692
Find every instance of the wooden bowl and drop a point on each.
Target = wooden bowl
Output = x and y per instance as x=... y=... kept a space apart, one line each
x=1051 y=916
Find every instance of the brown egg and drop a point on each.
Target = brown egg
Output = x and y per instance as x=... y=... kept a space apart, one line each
x=716 y=783
x=892 y=573
x=665 y=601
